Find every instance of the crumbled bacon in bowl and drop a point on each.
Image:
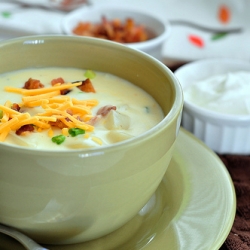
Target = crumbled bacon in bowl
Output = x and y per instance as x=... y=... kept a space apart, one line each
x=120 y=23
x=114 y=29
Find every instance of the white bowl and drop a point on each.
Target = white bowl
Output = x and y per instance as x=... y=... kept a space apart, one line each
x=224 y=133
x=94 y=13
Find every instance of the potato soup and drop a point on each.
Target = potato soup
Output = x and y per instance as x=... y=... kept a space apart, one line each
x=58 y=109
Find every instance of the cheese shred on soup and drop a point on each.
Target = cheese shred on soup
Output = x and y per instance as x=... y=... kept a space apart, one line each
x=58 y=108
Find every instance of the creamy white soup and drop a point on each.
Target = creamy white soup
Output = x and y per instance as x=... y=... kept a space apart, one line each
x=58 y=108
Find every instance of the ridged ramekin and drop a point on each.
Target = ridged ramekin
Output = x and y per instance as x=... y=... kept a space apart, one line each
x=223 y=133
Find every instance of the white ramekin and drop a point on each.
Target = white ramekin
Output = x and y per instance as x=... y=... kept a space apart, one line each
x=223 y=133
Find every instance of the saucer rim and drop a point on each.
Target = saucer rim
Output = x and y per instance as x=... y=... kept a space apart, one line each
x=159 y=242
x=230 y=191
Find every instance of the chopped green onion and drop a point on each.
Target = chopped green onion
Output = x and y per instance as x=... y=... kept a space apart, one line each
x=76 y=131
x=89 y=74
x=59 y=139
x=1 y=114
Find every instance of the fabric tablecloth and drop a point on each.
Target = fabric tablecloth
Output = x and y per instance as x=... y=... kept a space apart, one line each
x=239 y=169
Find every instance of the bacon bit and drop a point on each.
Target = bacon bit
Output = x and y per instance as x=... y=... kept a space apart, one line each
x=69 y=111
x=58 y=124
x=92 y=121
x=57 y=80
x=107 y=29
x=15 y=107
x=103 y=111
x=67 y=119
x=86 y=86
x=79 y=118
x=83 y=29
x=196 y=40
x=68 y=3
x=33 y=84
x=65 y=91
x=114 y=30
x=224 y=14
x=60 y=81
x=24 y=129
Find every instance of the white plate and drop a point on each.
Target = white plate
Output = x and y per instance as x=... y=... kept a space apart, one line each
x=193 y=208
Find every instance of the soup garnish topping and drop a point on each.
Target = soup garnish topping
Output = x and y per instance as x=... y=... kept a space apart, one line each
x=59 y=110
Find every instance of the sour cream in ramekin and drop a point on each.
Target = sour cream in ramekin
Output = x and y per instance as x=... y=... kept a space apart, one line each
x=225 y=93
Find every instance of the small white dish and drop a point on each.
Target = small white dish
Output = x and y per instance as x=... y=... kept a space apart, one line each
x=93 y=14
x=181 y=214
x=222 y=132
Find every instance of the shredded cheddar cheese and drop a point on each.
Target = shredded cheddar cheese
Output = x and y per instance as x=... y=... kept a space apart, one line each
x=27 y=99
x=7 y=125
x=4 y=134
x=65 y=131
x=8 y=110
x=86 y=136
x=30 y=92
x=55 y=110
x=50 y=133
x=19 y=124
x=97 y=140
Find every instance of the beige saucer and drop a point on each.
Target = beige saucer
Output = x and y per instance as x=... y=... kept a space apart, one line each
x=193 y=208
